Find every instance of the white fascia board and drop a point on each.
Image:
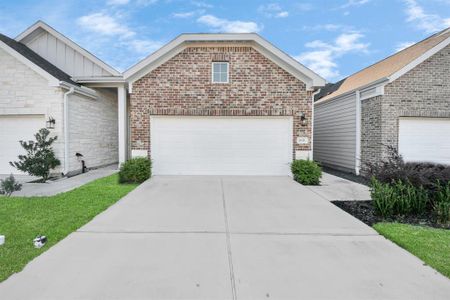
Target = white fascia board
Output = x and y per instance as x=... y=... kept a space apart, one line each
x=377 y=84
x=80 y=90
x=176 y=45
x=419 y=60
x=101 y=81
x=52 y=81
x=41 y=25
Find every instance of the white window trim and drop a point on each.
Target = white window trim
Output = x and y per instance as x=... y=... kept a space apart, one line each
x=212 y=72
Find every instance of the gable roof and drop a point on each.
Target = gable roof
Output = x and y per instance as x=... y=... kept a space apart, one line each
x=391 y=67
x=39 y=27
x=310 y=78
x=36 y=59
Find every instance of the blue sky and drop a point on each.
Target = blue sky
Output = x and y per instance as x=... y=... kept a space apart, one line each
x=333 y=38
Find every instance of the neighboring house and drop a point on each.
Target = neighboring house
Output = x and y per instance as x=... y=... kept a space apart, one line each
x=402 y=101
x=209 y=104
x=202 y=104
x=44 y=76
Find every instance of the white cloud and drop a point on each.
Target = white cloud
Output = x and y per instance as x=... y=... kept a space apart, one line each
x=224 y=25
x=105 y=25
x=117 y=2
x=403 y=45
x=350 y=3
x=273 y=10
x=427 y=22
x=326 y=27
x=183 y=15
x=201 y=4
x=146 y=2
x=322 y=59
x=303 y=6
x=145 y=46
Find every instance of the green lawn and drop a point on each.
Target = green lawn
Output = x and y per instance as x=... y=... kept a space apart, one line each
x=23 y=218
x=429 y=244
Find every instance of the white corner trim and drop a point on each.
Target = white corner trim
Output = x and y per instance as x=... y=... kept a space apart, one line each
x=178 y=44
x=420 y=59
x=312 y=123
x=52 y=81
x=42 y=25
x=358 y=133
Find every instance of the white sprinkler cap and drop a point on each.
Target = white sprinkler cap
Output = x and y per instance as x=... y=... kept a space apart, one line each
x=2 y=239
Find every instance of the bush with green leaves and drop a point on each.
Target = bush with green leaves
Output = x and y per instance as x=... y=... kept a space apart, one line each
x=441 y=202
x=40 y=158
x=306 y=172
x=9 y=185
x=399 y=198
x=383 y=197
x=135 y=170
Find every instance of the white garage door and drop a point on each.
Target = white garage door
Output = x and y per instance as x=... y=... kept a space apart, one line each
x=12 y=130
x=221 y=145
x=425 y=139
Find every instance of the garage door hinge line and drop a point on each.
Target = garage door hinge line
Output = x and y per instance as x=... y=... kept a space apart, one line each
x=227 y=230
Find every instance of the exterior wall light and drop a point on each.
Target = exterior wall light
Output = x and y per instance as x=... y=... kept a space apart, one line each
x=303 y=120
x=50 y=123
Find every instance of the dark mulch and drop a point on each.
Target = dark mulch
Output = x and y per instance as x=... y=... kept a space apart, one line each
x=365 y=211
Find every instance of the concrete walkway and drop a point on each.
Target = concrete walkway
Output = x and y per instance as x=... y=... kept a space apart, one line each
x=334 y=188
x=225 y=238
x=62 y=185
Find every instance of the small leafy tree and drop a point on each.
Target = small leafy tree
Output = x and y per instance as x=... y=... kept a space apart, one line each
x=9 y=185
x=40 y=157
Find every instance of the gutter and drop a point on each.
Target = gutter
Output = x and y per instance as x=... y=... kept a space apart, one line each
x=66 y=129
x=81 y=90
x=360 y=89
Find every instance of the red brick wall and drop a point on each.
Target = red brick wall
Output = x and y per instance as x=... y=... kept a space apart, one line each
x=182 y=86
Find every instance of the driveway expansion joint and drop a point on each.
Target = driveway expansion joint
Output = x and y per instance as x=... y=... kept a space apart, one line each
x=228 y=239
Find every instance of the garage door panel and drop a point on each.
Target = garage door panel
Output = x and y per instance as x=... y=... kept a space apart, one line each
x=221 y=146
x=425 y=139
x=13 y=129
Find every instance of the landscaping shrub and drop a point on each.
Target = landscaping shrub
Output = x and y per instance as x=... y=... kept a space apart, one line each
x=383 y=198
x=399 y=198
x=40 y=157
x=306 y=172
x=9 y=185
x=394 y=169
x=441 y=203
x=135 y=170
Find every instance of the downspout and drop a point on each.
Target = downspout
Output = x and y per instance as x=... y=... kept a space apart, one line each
x=358 y=133
x=66 y=129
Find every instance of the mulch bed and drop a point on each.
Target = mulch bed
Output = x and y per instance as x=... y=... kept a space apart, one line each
x=365 y=211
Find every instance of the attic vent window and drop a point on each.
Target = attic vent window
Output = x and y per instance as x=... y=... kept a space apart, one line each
x=220 y=72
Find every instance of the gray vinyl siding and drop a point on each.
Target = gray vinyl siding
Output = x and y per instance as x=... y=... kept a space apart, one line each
x=335 y=133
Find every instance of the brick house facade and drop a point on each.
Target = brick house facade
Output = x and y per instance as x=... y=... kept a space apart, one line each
x=182 y=86
x=422 y=92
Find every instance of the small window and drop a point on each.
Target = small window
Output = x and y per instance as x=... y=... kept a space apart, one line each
x=220 y=72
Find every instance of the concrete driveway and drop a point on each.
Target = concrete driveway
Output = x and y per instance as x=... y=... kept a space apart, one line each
x=225 y=238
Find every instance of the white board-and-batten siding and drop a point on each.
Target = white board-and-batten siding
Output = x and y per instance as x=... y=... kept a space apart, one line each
x=335 y=133
x=65 y=57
